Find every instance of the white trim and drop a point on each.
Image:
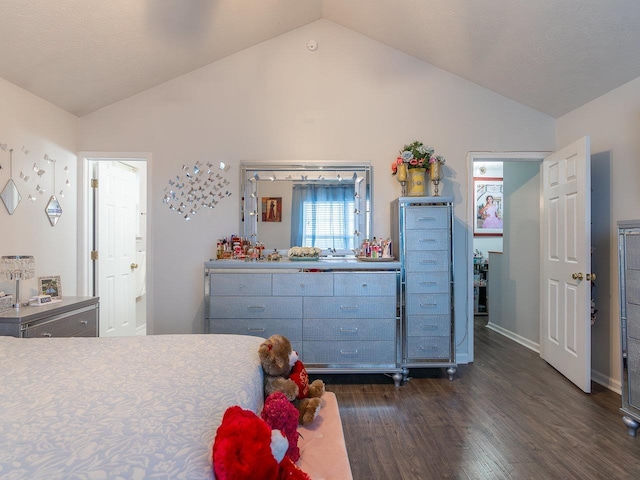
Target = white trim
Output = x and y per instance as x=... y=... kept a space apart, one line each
x=485 y=157
x=85 y=214
x=606 y=381
x=525 y=342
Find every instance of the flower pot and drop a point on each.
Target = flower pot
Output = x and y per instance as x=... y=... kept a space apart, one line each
x=416 y=182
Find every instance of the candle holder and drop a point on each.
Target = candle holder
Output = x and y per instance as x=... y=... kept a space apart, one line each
x=401 y=176
x=435 y=174
x=17 y=267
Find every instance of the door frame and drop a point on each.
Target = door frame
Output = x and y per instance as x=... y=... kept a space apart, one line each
x=85 y=221
x=532 y=156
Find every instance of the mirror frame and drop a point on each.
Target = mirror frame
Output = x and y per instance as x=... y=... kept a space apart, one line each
x=361 y=172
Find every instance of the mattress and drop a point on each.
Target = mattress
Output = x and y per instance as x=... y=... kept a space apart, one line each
x=125 y=407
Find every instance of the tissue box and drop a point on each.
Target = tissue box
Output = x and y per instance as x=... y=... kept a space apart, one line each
x=6 y=302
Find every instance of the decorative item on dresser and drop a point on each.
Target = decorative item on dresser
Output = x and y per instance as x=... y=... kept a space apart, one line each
x=411 y=167
x=341 y=316
x=421 y=227
x=17 y=267
x=629 y=268
x=68 y=317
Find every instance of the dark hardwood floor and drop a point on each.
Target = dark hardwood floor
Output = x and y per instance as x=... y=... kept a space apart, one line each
x=509 y=415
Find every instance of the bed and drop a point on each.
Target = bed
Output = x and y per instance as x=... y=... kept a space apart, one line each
x=124 y=407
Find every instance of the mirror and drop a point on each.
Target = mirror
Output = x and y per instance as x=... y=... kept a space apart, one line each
x=53 y=210
x=11 y=196
x=314 y=204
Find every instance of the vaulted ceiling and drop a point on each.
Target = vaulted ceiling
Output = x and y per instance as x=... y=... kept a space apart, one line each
x=551 y=55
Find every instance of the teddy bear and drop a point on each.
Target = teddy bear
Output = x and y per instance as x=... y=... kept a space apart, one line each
x=280 y=414
x=246 y=448
x=284 y=372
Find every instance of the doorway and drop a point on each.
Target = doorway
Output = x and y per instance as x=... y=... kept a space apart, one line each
x=113 y=239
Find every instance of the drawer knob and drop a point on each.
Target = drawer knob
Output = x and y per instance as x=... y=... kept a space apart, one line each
x=255 y=329
x=348 y=352
x=84 y=322
x=301 y=284
x=256 y=307
x=46 y=334
x=427 y=239
x=349 y=330
x=348 y=307
x=364 y=285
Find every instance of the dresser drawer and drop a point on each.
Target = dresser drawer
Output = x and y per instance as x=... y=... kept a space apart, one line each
x=290 y=328
x=421 y=240
x=434 y=282
x=427 y=261
x=424 y=304
x=240 y=284
x=429 y=348
x=303 y=284
x=424 y=218
x=365 y=284
x=329 y=329
x=255 y=307
x=350 y=353
x=79 y=324
x=428 y=325
x=350 y=307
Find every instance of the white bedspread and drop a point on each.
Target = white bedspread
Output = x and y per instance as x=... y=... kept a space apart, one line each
x=128 y=407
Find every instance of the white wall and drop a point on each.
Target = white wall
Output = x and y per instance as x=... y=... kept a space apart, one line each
x=28 y=123
x=613 y=123
x=352 y=99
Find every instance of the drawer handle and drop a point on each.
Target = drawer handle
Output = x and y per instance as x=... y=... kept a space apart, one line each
x=426 y=219
x=364 y=285
x=241 y=286
x=423 y=348
x=349 y=352
x=428 y=283
x=428 y=304
x=301 y=284
x=348 y=307
x=349 y=330
x=255 y=329
x=256 y=307
x=429 y=327
x=84 y=322
x=428 y=261
x=427 y=240
x=45 y=334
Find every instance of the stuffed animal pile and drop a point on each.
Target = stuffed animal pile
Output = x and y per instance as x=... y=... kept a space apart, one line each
x=248 y=447
x=284 y=372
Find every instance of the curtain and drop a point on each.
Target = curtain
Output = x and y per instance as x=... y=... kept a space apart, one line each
x=322 y=216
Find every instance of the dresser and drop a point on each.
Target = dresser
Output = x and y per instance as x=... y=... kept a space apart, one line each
x=421 y=230
x=70 y=317
x=629 y=268
x=341 y=316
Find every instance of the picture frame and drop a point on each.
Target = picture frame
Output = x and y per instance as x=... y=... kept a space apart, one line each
x=488 y=205
x=50 y=286
x=271 y=209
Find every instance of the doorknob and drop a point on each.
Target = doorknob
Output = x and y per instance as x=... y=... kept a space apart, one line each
x=577 y=276
x=591 y=277
x=134 y=266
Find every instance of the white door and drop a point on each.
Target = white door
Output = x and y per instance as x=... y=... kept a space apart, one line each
x=117 y=196
x=565 y=309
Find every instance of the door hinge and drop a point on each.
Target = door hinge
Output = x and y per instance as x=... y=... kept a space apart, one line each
x=94 y=255
x=94 y=183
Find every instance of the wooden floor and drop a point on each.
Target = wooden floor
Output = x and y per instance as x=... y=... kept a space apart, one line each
x=509 y=415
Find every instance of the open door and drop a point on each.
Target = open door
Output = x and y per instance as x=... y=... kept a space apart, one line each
x=565 y=289
x=117 y=194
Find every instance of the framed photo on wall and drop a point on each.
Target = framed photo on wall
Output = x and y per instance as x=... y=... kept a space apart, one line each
x=271 y=209
x=50 y=286
x=488 y=206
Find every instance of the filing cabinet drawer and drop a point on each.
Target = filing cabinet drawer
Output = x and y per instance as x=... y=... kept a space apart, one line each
x=302 y=284
x=427 y=261
x=365 y=284
x=330 y=329
x=80 y=324
x=432 y=348
x=426 y=218
x=434 y=282
x=350 y=353
x=350 y=307
x=256 y=307
x=239 y=284
x=438 y=303
x=420 y=240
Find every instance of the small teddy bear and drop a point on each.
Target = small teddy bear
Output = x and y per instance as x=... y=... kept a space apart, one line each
x=280 y=414
x=284 y=373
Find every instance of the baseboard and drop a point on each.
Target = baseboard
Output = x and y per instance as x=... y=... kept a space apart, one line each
x=515 y=337
x=141 y=330
x=606 y=381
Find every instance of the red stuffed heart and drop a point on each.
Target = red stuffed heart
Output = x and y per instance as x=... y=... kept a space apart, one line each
x=301 y=378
